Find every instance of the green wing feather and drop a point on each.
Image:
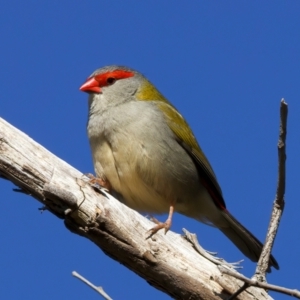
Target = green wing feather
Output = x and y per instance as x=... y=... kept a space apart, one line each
x=188 y=141
x=185 y=138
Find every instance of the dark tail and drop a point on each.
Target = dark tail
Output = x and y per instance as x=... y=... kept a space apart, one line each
x=248 y=244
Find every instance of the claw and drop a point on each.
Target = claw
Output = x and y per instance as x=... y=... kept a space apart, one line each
x=159 y=225
x=99 y=181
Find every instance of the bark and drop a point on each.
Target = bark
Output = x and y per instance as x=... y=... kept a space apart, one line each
x=167 y=262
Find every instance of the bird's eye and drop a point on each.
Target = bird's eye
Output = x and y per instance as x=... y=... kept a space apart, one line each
x=110 y=80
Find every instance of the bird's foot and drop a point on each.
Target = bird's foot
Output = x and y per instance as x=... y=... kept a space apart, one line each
x=211 y=256
x=159 y=225
x=96 y=182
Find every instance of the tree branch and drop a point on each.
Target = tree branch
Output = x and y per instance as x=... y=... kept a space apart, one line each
x=98 y=289
x=263 y=262
x=253 y=282
x=167 y=262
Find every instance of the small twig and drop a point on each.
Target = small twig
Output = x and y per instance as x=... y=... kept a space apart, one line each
x=263 y=285
x=192 y=238
x=263 y=263
x=98 y=289
x=259 y=279
x=239 y=291
x=42 y=209
x=19 y=190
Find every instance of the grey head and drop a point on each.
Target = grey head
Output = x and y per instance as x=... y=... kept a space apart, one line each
x=117 y=84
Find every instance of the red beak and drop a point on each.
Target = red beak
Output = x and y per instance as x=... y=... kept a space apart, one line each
x=91 y=85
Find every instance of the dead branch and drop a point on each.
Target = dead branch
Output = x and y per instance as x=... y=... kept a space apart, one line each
x=253 y=282
x=262 y=265
x=167 y=262
x=259 y=278
x=98 y=289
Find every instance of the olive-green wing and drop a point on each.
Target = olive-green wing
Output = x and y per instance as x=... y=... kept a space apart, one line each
x=187 y=140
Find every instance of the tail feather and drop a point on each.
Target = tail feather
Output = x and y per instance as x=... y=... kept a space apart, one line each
x=248 y=244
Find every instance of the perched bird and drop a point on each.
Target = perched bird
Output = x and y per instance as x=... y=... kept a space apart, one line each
x=144 y=150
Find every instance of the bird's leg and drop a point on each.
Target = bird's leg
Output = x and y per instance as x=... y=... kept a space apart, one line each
x=166 y=225
x=99 y=181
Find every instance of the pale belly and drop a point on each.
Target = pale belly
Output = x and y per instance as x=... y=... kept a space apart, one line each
x=148 y=183
x=123 y=168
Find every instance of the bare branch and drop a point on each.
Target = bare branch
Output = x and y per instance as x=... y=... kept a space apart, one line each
x=263 y=285
x=98 y=289
x=262 y=266
x=239 y=291
x=167 y=262
x=192 y=238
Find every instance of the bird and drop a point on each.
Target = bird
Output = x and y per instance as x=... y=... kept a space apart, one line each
x=144 y=150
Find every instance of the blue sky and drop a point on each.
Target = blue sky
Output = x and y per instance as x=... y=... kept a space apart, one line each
x=224 y=64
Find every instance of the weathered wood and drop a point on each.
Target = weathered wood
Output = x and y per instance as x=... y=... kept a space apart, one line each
x=167 y=262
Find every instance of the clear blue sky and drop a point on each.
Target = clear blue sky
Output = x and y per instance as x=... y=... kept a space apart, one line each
x=224 y=65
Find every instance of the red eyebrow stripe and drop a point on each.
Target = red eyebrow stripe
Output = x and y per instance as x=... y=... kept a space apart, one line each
x=118 y=74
